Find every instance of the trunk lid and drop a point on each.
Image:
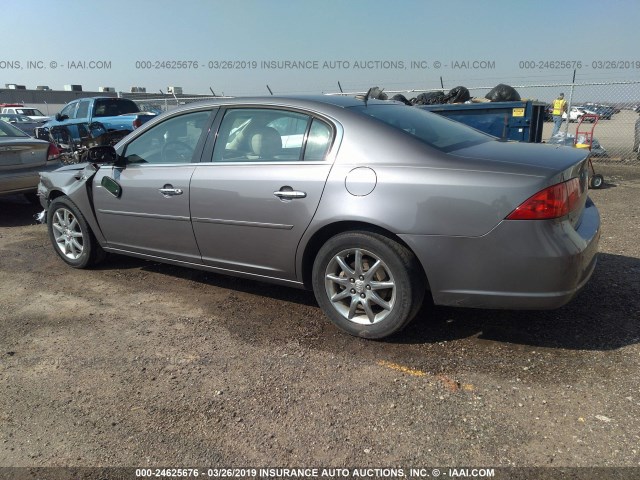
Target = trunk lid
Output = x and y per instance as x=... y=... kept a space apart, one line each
x=554 y=162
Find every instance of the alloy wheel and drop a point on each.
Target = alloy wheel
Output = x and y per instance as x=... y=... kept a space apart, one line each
x=68 y=233
x=360 y=286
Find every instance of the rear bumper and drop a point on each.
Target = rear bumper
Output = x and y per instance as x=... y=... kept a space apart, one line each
x=518 y=265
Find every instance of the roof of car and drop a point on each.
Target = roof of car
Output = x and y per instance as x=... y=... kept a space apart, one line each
x=337 y=100
x=303 y=101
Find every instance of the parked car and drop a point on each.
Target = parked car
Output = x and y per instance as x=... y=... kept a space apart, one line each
x=574 y=114
x=368 y=203
x=21 y=158
x=604 y=113
x=32 y=113
x=22 y=122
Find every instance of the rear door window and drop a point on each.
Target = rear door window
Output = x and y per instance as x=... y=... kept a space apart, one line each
x=270 y=135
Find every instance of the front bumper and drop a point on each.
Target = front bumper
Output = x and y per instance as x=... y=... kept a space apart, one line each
x=518 y=265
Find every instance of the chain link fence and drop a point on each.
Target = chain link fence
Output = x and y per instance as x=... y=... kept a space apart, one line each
x=616 y=133
x=617 y=104
x=161 y=105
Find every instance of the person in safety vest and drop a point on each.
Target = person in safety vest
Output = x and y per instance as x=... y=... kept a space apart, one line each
x=559 y=107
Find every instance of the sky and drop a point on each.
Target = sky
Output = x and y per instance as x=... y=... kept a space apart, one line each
x=241 y=47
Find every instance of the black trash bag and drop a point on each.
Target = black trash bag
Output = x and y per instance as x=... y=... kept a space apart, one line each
x=429 y=98
x=401 y=98
x=377 y=93
x=458 y=95
x=503 y=93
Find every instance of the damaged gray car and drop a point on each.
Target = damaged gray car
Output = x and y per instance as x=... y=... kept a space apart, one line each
x=369 y=203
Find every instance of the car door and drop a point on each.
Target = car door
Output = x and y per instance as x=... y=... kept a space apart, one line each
x=251 y=204
x=79 y=129
x=64 y=131
x=142 y=206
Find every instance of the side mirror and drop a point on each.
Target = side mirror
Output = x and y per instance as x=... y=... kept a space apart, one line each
x=60 y=118
x=102 y=154
x=42 y=133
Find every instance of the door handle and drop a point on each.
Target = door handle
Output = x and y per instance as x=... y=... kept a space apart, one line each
x=168 y=191
x=289 y=195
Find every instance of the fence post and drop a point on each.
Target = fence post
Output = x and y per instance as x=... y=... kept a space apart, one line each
x=573 y=84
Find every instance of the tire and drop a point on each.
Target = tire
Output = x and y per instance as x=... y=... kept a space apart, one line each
x=70 y=235
x=367 y=284
x=597 y=181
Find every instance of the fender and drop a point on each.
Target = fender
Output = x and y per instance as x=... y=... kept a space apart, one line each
x=74 y=181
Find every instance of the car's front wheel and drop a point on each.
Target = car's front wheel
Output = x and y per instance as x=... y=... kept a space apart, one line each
x=70 y=234
x=367 y=284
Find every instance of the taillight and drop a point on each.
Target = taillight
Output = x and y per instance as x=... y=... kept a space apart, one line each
x=53 y=153
x=136 y=123
x=553 y=202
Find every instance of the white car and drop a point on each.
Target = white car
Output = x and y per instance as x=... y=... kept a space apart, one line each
x=574 y=114
x=32 y=113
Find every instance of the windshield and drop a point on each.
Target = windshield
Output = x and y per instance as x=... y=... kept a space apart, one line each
x=7 y=130
x=112 y=107
x=34 y=112
x=436 y=131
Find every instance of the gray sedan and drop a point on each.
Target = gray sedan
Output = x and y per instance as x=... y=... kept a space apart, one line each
x=22 y=122
x=21 y=158
x=371 y=204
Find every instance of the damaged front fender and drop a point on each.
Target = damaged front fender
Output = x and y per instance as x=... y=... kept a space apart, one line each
x=74 y=182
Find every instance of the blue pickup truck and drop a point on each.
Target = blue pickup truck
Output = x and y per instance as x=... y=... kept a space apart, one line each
x=113 y=114
x=89 y=122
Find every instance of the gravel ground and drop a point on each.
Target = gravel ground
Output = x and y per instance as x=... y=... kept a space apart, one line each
x=141 y=364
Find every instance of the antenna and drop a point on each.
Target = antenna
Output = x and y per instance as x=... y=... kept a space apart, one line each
x=340 y=87
x=269 y=90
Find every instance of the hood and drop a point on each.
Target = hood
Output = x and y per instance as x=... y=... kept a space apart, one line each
x=72 y=167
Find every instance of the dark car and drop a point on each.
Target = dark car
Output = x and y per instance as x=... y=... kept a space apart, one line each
x=24 y=123
x=603 y=112
x=371 y=204
x=21 y=158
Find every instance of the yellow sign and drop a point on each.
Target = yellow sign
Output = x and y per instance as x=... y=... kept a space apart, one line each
x=518 y=112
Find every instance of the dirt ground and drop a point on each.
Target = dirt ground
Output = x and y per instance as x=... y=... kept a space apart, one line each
x=141 y=364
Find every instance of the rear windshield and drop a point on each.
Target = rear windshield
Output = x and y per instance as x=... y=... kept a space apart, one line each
x=7 y=130
x=112 y=107
x=436 y=131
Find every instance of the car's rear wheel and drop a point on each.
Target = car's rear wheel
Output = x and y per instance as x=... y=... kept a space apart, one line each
x=71 y=236
x=367 y=284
